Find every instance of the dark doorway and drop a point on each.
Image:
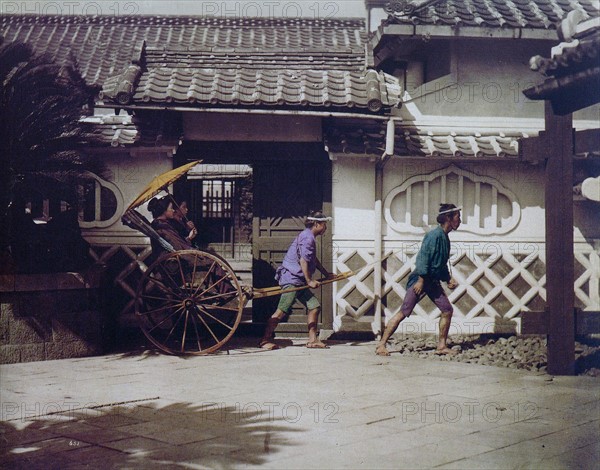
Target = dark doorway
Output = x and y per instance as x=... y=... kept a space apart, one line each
x=284 y=193
x=221 y=199
x=288 y=180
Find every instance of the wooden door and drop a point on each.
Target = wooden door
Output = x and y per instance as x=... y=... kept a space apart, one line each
x=284 y=193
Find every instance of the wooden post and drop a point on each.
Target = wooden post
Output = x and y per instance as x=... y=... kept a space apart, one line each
x=327 y=249
x=560 y=295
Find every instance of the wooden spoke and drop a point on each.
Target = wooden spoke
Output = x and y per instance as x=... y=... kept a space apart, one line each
x=205 y=278
x=197 y=335
x=165 y=319
x=233 y=309
x=160 y=285
x=164 y=299
x=164 y=270
x=156 y=310
x=161 y=303
x=173 y=327
x=214 y=284
x=217 y=296
x=187 y=314
x=215 y=318
x=181 y=273
x=194 y=272
x=206 y=326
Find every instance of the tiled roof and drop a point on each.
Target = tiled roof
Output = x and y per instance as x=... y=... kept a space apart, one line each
x=193 y=61
x=126 y=130
x=104 y=45
x=573 y=72
x=315 y=88
x=487 y=13
x=257 y=59
x=412 y=142
x=573 y=58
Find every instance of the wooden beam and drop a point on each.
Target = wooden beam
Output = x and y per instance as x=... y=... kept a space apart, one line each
x=536 y=322
x=537 y=148
x=531 y=149
x=560 y=296
x=587 y=141
x=587 y=323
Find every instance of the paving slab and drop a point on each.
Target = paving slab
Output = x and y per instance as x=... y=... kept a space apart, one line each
x=295 y=408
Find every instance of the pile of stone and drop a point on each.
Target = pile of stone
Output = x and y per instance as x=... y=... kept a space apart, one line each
x=517 y=352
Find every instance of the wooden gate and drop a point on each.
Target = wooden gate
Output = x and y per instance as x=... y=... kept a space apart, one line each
x=284 y=192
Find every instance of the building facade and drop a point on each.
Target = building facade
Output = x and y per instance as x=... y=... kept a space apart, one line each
x=377 y=122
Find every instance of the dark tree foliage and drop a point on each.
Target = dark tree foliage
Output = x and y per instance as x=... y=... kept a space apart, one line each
x=41 y=104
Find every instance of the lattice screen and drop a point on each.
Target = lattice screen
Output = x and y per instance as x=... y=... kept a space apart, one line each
x=496 y=281
x=125 y=265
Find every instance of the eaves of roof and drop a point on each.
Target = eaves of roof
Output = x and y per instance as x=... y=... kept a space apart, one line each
x=410 y=142
x=126 y=131
x=300 y=89
x=523 y=19
x=573 y=73
x=530 y=14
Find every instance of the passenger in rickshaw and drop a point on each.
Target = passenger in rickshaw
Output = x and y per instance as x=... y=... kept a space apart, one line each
x=162 y=213
x=181 y=223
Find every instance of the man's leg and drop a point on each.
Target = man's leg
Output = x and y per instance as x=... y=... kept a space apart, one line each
x=314 y=309
x=406 y=309
x=442 y=347
x=285 y=304
x=267 y=340
x=390 y=329
x=312 y=320
x=440 y=299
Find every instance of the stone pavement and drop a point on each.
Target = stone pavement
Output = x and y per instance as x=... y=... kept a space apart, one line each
x=293 y=408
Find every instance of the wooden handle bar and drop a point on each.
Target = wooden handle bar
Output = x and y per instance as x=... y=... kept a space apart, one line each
x=277 y=290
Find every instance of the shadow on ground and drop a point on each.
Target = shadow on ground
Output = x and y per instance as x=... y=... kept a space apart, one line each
x=145 y=436
x=133 y=344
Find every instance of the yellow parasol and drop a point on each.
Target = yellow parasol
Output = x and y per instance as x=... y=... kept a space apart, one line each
x=160 y=182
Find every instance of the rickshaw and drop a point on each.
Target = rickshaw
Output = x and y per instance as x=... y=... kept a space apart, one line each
x=188 y=302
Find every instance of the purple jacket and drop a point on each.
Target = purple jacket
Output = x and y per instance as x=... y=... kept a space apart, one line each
x=290 y=271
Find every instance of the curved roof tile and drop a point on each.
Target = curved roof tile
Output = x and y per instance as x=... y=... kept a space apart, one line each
x=412 y=142
x=103 y=45
x=489 y=13
x=315 y=88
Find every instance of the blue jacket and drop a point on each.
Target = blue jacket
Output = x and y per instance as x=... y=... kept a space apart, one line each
x=432 y=259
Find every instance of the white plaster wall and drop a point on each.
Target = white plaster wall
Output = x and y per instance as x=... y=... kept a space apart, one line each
x=525 y=181
x=131 y=174
x=353 y=194
x=500 y=274
x=486 y=88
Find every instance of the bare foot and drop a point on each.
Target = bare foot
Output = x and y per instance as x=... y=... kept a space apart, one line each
x=267 y=345
x=316 y=345
x=382 y=351
x=445 y=351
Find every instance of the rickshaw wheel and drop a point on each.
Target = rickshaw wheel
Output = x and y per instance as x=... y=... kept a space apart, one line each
x=189 y=302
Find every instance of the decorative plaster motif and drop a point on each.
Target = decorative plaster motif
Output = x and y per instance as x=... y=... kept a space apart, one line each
x=488 y=207
x=98 y=221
